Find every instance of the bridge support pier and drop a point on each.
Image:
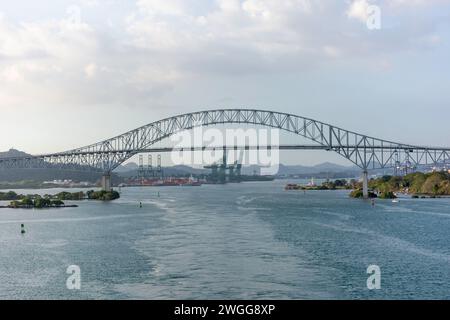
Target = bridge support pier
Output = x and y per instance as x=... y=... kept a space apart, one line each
x=106 y=182
x=365 y=179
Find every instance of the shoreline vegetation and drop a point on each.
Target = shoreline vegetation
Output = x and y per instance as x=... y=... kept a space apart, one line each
x=417 y=185
x=35 y=201
x=340 y=184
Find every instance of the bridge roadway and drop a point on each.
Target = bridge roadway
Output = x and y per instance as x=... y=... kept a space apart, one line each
x=274 y=147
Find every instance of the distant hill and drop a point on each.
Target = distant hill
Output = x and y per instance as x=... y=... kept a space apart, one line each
x=130 y=166
x=332 y=167
x=13 y=153
x=179 y=170
x=39 y=175
x=131 y=169
x=299 y=169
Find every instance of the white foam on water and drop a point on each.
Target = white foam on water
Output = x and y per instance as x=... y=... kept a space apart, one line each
x=388 y=241
x=105 y=217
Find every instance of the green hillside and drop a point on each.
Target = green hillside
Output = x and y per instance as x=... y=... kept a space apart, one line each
x=431 y=184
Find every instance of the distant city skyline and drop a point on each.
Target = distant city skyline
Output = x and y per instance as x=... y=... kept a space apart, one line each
x=77 y=72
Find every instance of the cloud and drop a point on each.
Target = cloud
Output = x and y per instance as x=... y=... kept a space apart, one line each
x=162 y=7
x=410 y=3
x=90 y=70
x=161 y=44
x=359 y=10
x=258 y=36
x=50 y=63
x=238 y=36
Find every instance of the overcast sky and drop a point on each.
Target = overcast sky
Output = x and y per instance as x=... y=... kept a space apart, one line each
x=76 y=72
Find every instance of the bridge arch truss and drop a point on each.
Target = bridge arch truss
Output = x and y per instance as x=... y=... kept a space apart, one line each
x=364 y=151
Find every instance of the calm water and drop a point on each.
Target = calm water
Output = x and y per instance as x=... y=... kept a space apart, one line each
x=248 y=241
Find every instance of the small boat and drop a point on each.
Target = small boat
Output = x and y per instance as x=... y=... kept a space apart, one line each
x=395 y=201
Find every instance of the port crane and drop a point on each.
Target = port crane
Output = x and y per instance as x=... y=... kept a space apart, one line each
x=219 y=171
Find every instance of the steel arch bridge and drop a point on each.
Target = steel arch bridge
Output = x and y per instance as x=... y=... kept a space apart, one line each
x=364 y=151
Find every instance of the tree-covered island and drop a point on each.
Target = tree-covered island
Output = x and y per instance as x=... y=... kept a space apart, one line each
x=54 y=201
